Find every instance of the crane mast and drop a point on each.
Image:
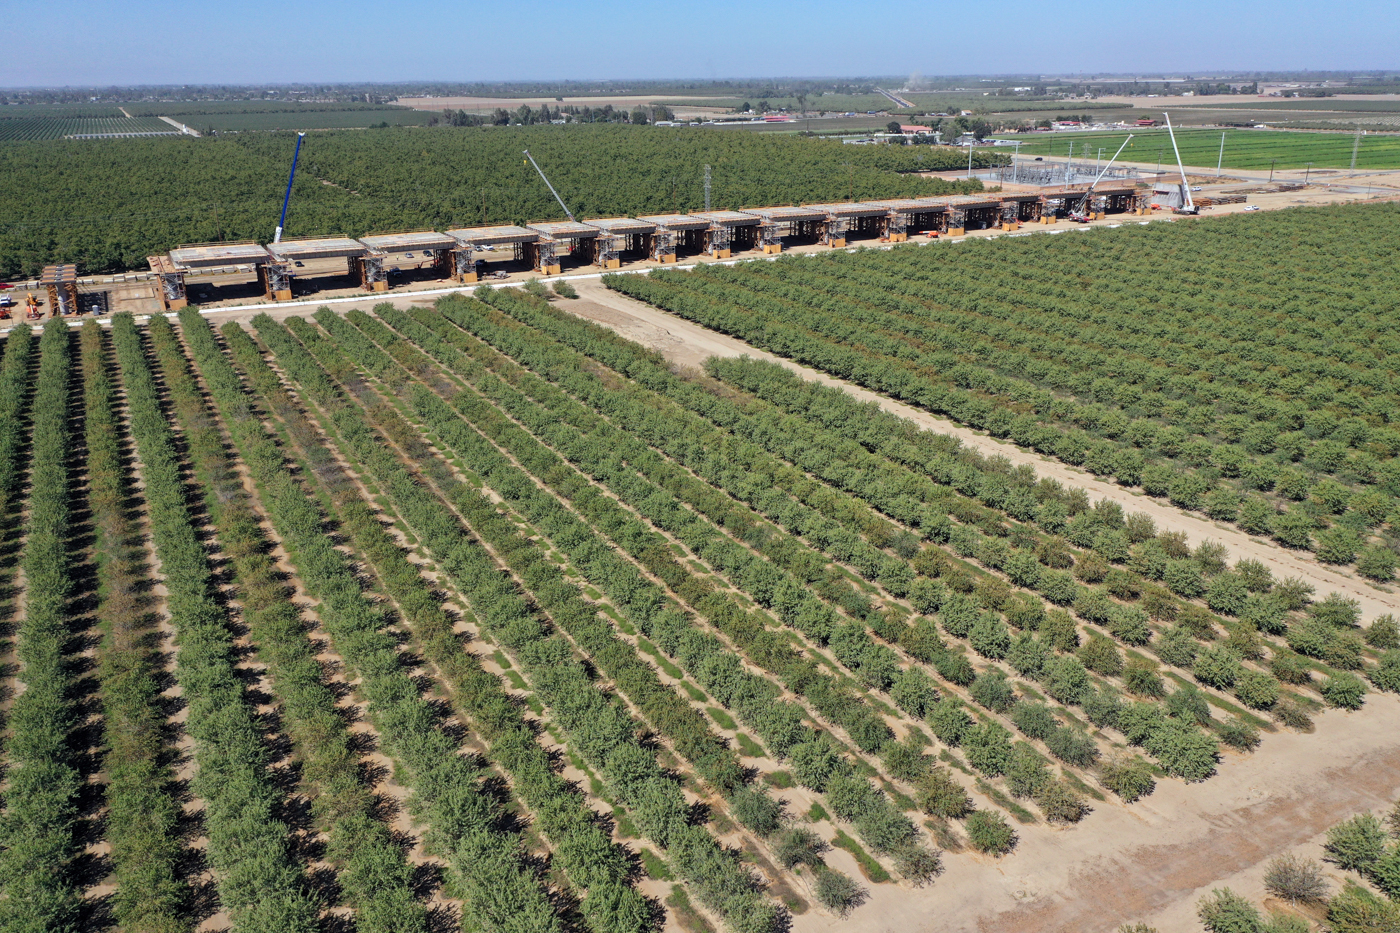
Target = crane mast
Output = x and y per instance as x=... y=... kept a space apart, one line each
x=282 y=222
x=1190 y=207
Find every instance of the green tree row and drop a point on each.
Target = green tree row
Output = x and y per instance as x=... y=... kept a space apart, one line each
x=568 y=430
x=639 y=599
x=599 y=732
x=596 y=866
x=656 y=375
x=1125 y=555
x=14 y=396
x=886 y=334
x=143 y=814
x=594 y=444
x=44 y=783
x=374 y=875
x=1099 y=435
x=259 y=882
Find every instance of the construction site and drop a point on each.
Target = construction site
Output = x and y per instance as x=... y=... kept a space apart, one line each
x=300 y=266
x=216 y=273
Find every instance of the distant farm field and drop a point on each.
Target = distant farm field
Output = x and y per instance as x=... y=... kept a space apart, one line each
x=252 y=115
x=53 y=111
x=1244 y=149
x=60 y=127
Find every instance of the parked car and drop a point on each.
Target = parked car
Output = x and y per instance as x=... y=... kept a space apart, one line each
x=298 y=263
x=1251 y=207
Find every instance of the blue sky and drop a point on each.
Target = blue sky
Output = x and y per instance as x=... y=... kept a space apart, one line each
x=86 y=42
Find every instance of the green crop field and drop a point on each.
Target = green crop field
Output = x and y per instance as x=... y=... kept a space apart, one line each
x=107 y=207
x=35 y=128
x=255 y=115
x=1244 y=149
x=55 y=111
x=1313 y=460
x=570 y=588
x=308 y=120
x=1324 y=103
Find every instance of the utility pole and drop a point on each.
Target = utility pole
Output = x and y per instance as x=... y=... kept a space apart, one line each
x=1271 y=168
x=969 y=160
x=1355 y=146
x=1015 y=163
x=1220 y=161
x=1069 y=160
x=1307 y=173
x=707 y=187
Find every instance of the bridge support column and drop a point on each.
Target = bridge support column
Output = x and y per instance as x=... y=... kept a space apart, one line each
x=276 y=280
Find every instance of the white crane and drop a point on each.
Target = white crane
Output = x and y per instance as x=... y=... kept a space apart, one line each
x=1189 y=206
x=1080 y=214
x=548 y=185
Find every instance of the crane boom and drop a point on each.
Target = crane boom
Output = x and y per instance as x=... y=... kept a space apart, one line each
x=548 y=185
x=277 y=237
x=1185 y=185
x=1084 y=202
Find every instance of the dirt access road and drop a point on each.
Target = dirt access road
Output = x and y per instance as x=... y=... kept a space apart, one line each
x=1155 y=860
x=688 y=344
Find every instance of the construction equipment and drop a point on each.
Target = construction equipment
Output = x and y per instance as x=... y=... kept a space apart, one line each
x=277 y=237
x=549 y=186
x=1188 y=205
x=1081 y=214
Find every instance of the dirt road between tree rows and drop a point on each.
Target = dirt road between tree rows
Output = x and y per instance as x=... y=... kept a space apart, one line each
x=688 y=344
x=1153 y=861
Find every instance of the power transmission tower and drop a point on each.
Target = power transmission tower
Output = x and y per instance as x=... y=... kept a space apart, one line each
x=1355 y=146
x=707 y=187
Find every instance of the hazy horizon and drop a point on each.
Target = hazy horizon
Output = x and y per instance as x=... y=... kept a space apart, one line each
x=161 y=43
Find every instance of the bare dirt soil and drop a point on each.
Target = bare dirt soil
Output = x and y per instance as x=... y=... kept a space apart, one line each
x=1153 y=861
